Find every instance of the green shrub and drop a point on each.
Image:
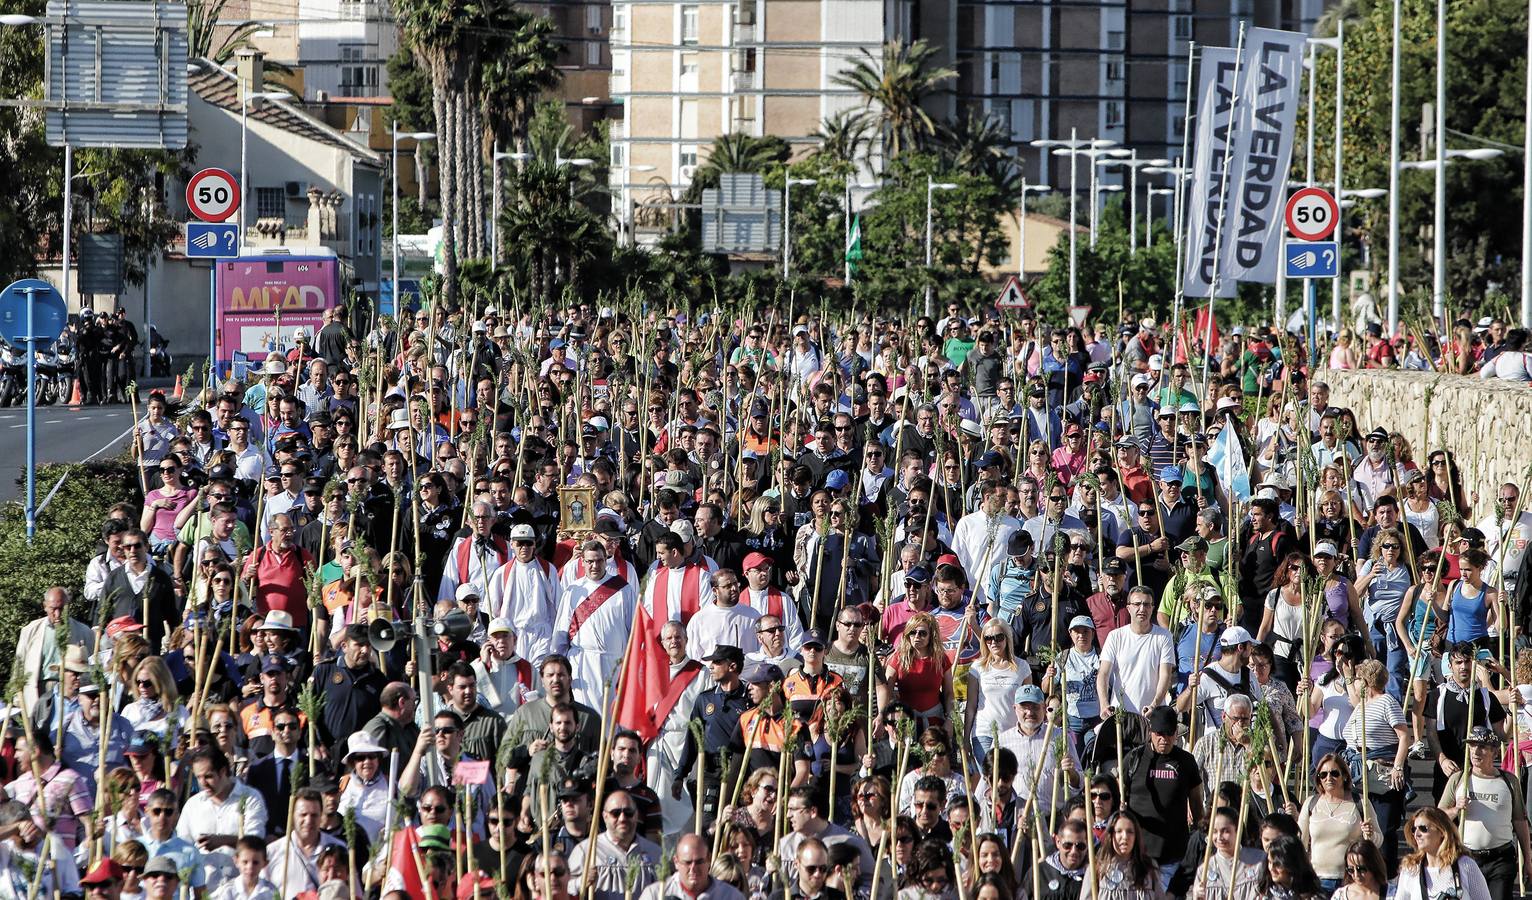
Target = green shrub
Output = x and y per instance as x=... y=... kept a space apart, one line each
x=68 y=532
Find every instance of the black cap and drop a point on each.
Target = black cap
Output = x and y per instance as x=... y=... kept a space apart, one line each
x=726 y=653
x=321 y=418
x=573 y=788
x=356 y=633
x=220 y=473
x=1163 y=720
x=1019 y=544
x=607 y=525
x=1114 y=566
x=813 y=638
x=313 y=485
x=918 y=575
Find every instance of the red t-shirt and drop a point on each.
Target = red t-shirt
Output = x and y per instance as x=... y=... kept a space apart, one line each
x=278 y=582
x=920 y=686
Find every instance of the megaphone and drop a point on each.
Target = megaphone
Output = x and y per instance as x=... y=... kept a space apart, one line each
x=382 y=635
x=454 y=626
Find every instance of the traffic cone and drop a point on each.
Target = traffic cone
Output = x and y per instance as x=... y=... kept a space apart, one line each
x=179 y=391
x=74 y=395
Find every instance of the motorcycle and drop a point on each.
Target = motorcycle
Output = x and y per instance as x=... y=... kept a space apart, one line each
x=64 y=379
x=47 y=378
x=13 y=375
x=160 y=362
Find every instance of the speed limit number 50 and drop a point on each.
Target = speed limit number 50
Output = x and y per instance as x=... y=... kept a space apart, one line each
x=1312 y=214
x=212 y=195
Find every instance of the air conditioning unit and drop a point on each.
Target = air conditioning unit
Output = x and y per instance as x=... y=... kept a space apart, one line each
x=296 y=190
x=687 y=173
x=321 y=96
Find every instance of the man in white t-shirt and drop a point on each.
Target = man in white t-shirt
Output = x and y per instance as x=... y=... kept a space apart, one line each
x=1137 y=662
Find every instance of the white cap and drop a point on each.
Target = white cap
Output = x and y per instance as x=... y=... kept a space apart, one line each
x=464 y=591
x=300 y=334
x=1326 y=548
x=1143 y=379
x=1156 y=362
x=479 y=326
x=399 y=419
x=684 y=530
x=500 y=624
x=1235 y=635
x=1147 y=324
x=1267 y=494
x=523 y=532
x=1227 y=403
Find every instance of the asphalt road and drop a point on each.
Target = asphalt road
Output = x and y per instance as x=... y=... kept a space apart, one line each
x=63 y=435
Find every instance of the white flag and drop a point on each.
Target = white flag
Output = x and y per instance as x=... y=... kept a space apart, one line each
x=1216 y=90
x=1227 y=458
x=1267 y=113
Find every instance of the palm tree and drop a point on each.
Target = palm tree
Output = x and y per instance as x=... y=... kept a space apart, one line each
x=521 y=63
x=204 y=21
x=735 y=152
x=980 y=145
x=843 y=136
x=892 y=87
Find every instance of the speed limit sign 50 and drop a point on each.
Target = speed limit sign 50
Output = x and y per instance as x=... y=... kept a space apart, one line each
x=1312 y=214
x=212 y=195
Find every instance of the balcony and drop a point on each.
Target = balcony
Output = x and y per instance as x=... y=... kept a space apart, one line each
x=745 y=81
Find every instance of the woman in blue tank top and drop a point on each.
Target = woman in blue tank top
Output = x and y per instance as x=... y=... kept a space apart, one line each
x=1473 y=601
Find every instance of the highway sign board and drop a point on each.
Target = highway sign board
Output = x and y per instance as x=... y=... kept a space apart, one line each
x=1312 y=259
x=1311 y=214
x=211 y=240
x=212 y=195
x=48 y=315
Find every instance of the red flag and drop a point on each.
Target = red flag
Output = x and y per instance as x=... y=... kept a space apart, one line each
x=645 y=676
x=1202 y=335
x=402 y=859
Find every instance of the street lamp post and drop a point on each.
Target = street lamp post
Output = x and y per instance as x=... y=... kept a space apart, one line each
x=416 y=136
x=932 y=186
x=1128 y=159
x=1021 y=227
x=494 y=220
x=1337 y=44
x=1071 y=148
x=1150 y=193
x=579 y=162
x=1526 y=190
x=246 y=99
x=1393 y=182
x=1099 y=148
x=1444 y=158
x=787 y=221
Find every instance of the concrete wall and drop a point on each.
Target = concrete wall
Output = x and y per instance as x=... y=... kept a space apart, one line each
x=1487 y=425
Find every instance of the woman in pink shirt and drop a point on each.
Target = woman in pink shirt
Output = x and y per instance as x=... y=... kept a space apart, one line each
x=162 y=504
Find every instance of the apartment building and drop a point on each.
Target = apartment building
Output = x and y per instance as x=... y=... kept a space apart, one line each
x=684 y=73
x=1113 y=69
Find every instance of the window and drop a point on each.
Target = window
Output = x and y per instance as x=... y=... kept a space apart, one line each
x=270 y=203
x=593 y=19
x=689 y=155
x=1114 y=69
x=1183 y=25
x=1113 y=114
x=619 y=155
x=1179 y=89
x=689 y=25
x=1178 y=125
x=620 y=21
x=1114 y=40
x=619 y=64
x=358 y=71
x=593 y=53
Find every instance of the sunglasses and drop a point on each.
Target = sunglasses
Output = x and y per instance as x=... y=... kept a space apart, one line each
x=286 y=726
x=446 y=729
x=1100 y=795
x=772 y=630
x=144 y=682
x=815 y=870
x=1071 y=845
x=1330 y=773
x=853 y=624
x=556 y=873
x=1423 y=829
x=432 y=809
x=162 y=811
x=920 y=632
x=623 y=812
x=994 y=638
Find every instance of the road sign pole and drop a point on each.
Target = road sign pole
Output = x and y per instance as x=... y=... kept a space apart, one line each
x=1309 y=295
x=30 y=343
x=212 y=323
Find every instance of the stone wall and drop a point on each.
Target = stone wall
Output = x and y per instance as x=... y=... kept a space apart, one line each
x=1487 y=424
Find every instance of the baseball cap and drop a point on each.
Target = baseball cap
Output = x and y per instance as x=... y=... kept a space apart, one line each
x=726 y=653
x=464 y=591
x=1141 y=379
x=755 y=559
x=573 y=788
x=434 y=837
x=1480 y=734
x=105 y=872
x=523 y=532
x=1114 y=566
x=142 y=744
x=918 y=575
x=1082 y=622
x=837 y=480
x=1326 y=548
x=1193 y=544
x=500 y=625
x=990 y=460
x=684 y=530
x=1017 y=544
x=813 y=637
x=273 y=662
x=122 y=625
x=763 y=673
x=1234 y=636
x=161 y=865
x=1030 y=693
x=1171 y=473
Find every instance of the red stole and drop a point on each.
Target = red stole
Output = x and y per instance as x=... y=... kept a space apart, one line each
x=465 y=553
x=773 y=603
x=678 y=685
x=690 y=593
x=593 y=601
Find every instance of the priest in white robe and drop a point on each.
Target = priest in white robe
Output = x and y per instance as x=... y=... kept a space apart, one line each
x=473 y=557
x=526 y=591
x=594 y=621
x=665 y=750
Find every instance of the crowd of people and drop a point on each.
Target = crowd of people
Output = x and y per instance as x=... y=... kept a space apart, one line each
x=605 y=604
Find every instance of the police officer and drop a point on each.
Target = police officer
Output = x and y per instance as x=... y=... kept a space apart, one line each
x=718 y=711
x=352 y=689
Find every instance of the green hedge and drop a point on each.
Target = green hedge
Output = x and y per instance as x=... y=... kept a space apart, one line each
x=68 y=532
